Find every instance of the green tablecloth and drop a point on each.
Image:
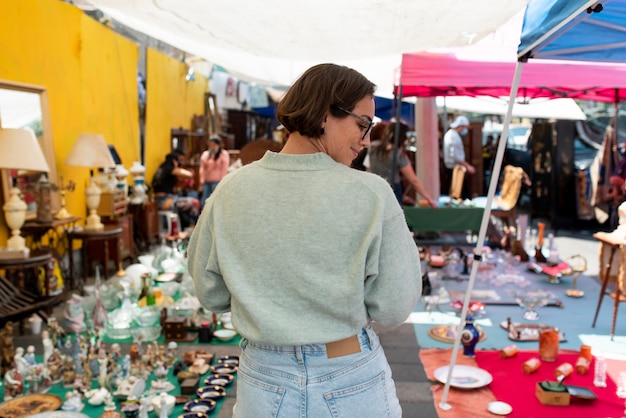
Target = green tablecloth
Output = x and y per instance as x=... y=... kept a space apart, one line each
x=96 y=411
x=447 y=219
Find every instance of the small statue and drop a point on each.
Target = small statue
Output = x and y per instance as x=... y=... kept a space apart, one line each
x=30 y=355
x=73 y=320
x=54 y=365
x=69 y=372
x=20 y=362
x=56 y=331
x=48 y=345
x=8 y=349
x=13 y=383
x=102 y=367
x=73 y=402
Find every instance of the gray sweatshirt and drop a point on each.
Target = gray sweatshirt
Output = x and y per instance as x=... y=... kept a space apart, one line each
x=304 y=250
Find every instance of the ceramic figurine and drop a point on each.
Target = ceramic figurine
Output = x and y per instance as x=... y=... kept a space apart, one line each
x=8 y=349
x=20 y=362
x=73 y=402
x=73 y=319
x=13 y=383
x=30 y=355
x=69 y=372
x=54 y=365
x=56 y=332
x=469 y=337
x=102 y=367
x=48 y=345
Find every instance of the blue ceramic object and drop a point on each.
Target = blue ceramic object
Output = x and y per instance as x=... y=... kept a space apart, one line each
x=469 y=337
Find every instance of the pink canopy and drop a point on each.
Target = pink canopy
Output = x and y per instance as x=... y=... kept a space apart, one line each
x=430 y=74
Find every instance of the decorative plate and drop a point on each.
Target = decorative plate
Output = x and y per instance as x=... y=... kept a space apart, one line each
x=464 y=377
x=27 y=405
x=446 y=333
x=200 y=405
x=219 y=380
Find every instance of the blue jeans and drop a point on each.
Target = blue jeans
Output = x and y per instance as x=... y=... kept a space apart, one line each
x=300 y=381
x=207 y=189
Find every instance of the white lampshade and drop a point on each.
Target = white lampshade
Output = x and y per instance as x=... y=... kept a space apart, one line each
x=19 y=150
x=90 y=150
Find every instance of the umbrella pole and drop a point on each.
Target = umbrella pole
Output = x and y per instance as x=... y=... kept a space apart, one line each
x=482 y=233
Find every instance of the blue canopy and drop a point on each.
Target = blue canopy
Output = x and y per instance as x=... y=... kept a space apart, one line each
x=385 y=109
x=582 y=30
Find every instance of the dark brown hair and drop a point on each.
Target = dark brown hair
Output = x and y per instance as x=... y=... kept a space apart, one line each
x=321 y=88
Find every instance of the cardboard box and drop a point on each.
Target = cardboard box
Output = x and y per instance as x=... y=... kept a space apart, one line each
x=552 y=398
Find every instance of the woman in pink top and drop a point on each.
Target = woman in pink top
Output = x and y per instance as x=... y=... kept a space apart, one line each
x=214 y=164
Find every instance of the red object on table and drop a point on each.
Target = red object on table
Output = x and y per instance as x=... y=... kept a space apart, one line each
x=512 y=386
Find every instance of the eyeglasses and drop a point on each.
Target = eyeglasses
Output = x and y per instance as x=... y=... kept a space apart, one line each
x=368 y=124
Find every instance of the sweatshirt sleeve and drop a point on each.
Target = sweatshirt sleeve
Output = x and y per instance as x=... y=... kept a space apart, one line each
x=393 y=290
x=204 y=268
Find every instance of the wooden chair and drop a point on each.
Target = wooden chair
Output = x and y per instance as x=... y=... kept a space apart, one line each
x=505 y=203
x=614 y=242
x=16 y=304
x=456 y=184
x=456 y=187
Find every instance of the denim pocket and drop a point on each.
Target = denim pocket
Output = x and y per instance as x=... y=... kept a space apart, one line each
x=365 y=399
x=257 y=398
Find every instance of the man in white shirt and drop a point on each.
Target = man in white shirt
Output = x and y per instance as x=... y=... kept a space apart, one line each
x=453 y=151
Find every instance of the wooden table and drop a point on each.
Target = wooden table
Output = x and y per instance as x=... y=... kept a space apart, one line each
x=107 y=234
x=422 y=218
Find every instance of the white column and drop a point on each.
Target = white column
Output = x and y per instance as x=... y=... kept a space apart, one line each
x=427 y=155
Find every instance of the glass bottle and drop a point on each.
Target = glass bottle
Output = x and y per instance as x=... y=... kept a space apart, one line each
x=149 y=290
x=548 y=343
x=99 y=315
x=599 y=373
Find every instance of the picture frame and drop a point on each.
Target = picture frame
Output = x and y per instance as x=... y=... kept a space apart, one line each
x=26 y=106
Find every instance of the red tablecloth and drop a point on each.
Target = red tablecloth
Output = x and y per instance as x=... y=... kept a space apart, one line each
x=512 y=386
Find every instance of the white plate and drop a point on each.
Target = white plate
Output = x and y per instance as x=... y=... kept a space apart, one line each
x=465 y=377
x=60 y=414
x=499 y=408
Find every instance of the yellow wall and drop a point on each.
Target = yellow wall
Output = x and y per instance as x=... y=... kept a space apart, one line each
x=171 y=103
x=90 y=74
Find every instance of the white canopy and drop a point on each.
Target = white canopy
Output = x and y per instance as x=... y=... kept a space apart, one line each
x=541 y=108
x=274 y=41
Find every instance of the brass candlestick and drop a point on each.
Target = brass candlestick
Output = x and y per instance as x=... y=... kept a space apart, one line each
x=63 y=188
x=578 y=264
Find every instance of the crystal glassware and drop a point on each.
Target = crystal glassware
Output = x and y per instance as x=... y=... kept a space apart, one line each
x=531 y=300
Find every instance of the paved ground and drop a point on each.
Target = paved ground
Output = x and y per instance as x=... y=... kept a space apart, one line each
x=401 y=345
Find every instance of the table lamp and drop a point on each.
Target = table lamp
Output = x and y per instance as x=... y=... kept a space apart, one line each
x=19 y=150
x=90 y=150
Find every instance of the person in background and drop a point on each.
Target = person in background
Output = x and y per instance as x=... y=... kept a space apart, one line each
x=379 y=160
x=214 y=163
x=305 y=252
x=453 y=151
x=489 y=152
x=164 y=186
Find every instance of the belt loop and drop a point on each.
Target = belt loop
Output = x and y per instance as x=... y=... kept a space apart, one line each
x=371 y=335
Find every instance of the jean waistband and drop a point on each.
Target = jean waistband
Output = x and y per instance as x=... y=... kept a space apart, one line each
x=364 y=339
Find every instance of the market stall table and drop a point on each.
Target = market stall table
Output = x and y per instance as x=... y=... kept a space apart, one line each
x=443 y=219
